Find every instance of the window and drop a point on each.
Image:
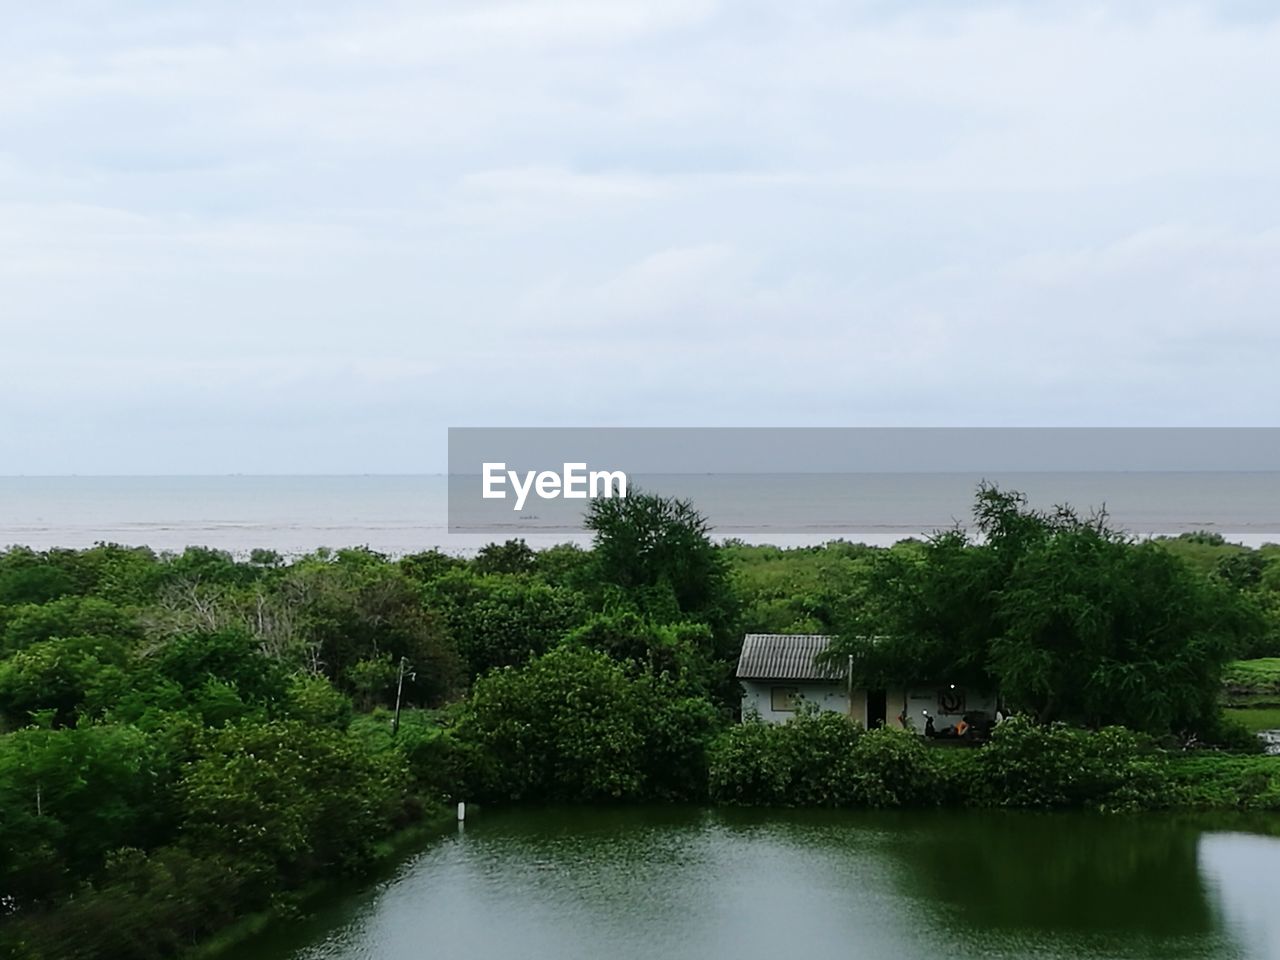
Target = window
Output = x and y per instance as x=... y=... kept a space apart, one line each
x=783 y=699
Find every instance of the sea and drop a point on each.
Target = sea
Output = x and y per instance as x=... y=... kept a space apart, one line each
x=403 y=514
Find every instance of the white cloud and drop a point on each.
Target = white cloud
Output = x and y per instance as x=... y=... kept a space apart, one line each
x=347 y=214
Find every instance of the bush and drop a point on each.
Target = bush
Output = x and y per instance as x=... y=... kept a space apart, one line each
x=313 y=700
x=892 y=769
x=147 y=906
x=821 y=759
x=289 y=799
x=1029 y=765
x=573 y=724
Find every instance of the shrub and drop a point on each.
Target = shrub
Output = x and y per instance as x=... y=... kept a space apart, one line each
x=892 y=769
x=747 y=767
x=146 y=906
x=574 y=724
x=807 y=761
x=1053 y=765
x=289 y=799
x=1214 y=781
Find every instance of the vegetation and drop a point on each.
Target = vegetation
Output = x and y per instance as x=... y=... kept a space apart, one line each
x=186 y=739
x=828 y=760
x=1069 y=619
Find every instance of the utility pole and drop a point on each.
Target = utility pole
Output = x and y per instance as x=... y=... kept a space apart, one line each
x=395 y=722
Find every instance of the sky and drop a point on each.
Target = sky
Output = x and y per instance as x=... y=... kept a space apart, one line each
x=308 y=237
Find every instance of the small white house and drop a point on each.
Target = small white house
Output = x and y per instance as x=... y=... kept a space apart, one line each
x=778 y=670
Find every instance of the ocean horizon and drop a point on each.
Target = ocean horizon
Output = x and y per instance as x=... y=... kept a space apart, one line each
x=398 y=514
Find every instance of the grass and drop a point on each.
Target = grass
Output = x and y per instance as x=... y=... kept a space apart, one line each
x=1258 y=718
x=373 y=730
x=1259 y=676
x=1213 y=781
x=1252 y=684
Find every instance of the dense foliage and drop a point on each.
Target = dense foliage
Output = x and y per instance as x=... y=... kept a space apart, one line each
x=828 y=760
x=1067 y=618
x=188 y=738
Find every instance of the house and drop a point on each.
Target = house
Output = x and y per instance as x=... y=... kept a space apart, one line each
x=777 y=671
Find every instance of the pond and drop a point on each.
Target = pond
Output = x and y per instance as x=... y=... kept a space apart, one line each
x=690 y=883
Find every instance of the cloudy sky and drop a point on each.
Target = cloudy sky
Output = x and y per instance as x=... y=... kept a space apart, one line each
x=308 y=237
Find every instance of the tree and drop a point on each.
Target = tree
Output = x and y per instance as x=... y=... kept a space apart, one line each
x=68 y=617
x=513 y=556
x=286 y=797
x=1097 y=629
x=680 y=652
x=358 y=607
x=573 y=725
x=230 y=657
x=658 y=556
x=1066 y=617
x=428 y=565
x=503 y=620
x=65 y=679
x=68 y=797
x=30 y=577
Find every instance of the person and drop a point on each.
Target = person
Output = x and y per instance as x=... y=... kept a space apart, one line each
x=962 y=727
x=928 y=726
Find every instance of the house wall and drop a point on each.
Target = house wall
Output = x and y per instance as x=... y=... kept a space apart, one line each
x=758 y=697
x=922 y=698
x=858 y=709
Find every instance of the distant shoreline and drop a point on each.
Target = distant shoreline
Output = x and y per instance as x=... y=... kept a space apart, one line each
x=539 y=541
x=403 y=514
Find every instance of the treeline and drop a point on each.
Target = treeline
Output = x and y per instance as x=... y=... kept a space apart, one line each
x=189 y=738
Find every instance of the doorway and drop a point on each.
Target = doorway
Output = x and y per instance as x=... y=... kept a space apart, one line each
x=877 y=707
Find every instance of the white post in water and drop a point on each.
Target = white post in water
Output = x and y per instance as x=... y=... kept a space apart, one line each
x=462 y=811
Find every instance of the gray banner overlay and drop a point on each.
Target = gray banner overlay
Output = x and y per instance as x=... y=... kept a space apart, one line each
x=846 y=481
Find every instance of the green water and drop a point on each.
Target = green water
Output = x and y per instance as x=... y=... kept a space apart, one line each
x=682 y=883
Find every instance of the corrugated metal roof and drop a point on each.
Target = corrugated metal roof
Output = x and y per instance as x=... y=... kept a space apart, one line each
x=785 y=656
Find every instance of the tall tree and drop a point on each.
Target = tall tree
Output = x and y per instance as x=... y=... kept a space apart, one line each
x=1066 y=617
x=657 y=553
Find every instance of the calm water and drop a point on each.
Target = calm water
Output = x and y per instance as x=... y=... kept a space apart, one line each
x=673 y=884
x=402 y=514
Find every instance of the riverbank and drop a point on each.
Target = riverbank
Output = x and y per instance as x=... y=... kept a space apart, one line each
x=826 y=760
x=73 y=929
x=389 y=853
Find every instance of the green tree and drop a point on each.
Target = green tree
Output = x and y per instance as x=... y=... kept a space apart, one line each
x=1066 y=617
x=230 y=657
x=512 y=556
x=657 y=554
x=66 y=678
x=503 y=620
x=30 y=577
x=681 y=652
x=68 y=797
x=572 y=724
x=287 y=798
x=68 y=617
x=358 y=607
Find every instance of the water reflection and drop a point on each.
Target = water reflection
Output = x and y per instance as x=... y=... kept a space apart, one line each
x=1049 y=872
x=676 y=883
x=1243 y=871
